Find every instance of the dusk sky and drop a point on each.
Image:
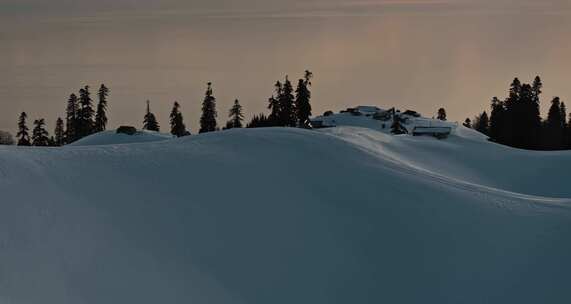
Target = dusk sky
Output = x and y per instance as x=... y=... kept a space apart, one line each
x=415 y=54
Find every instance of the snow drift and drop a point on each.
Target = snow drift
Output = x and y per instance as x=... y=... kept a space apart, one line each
x=342 y=215
x=114 y=138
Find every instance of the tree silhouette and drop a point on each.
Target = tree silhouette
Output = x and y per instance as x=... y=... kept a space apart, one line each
x=23 y=135
x=441 y=114
x=150 y=121
x=101 y=115
x=85 y=117
x=468 y=123
x=71 y=119
x=59 y=132
x=40 y=136
x=208 y=118
x=302 y=100
x=236 y=116
x=178 y=128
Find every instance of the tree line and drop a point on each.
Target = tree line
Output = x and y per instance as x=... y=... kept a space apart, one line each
x=516 y=121
x=288 y=108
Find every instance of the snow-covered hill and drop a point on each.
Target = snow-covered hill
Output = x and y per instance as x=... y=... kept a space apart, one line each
x=114 y=138
x=340 y=215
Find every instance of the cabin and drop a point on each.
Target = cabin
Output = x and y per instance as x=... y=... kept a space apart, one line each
x=438 y=132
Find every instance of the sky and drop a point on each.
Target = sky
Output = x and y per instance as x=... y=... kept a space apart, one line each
x=413 y=54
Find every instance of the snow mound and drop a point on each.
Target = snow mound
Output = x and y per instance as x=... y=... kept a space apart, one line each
x=114 y=138
x=363 y=116
x=283 y=215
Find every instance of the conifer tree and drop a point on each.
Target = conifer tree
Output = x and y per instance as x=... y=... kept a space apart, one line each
x=71 y=119
x=236 y=116
x=554 y=135
x=260 y=121
x=482 y=123
x=274 y=104
x=85 y=117
x=302 y=100
x=441 y=114
x=150 y=121
x=40 y=135
x=497 y=121
x=100 y=123
x=287 y=105
x=23 y=135
x=208 y=118
x=178 y=128
x=468 y=123
x=59 y=139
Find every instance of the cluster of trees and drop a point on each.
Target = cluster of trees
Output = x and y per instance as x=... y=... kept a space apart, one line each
x=516 y=120
x=208 y=119
x=288 y=107
x=81 y=120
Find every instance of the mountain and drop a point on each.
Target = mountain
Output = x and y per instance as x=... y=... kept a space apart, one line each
x=349 y=214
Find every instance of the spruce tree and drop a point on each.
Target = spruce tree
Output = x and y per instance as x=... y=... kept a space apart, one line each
x=274 y=104
x=554 y=133
x=236 y=116
x=302 y=100
x=208 y=118
x=497 y=121
x=100 y=123
x=71 y=119
x=178 y=128
x=23 y=135
x=85 y=117
x=59 y=139
x=468 y=123
x=482 y=123
x=150 y=121
x=287 y=115
x=40 y=136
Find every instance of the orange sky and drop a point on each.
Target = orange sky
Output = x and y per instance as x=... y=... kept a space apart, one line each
x=412 y=54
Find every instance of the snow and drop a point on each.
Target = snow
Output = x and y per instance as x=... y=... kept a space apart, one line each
x=112 y=138
x=281 y=215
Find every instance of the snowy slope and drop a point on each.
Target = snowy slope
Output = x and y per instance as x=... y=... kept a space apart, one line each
x=345 y=215
x=112 y=138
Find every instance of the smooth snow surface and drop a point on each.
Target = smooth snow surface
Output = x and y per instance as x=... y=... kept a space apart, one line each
x=113 y=138
x=340 y=215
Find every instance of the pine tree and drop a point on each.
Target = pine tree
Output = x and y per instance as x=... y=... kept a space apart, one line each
x=59 y=139
x=178 y=128
x=274 y=104
x=101 y=115
x=482 y=123
x=287 y=117
x=497 y=121
x=302 y=100
x=260 y=121
x=468 y=123
x=71 y=119
x=23 y=135
x=441 y=114
x=40 y=135
x=85 y=117
x=150 y=121
x=208 y=118
x=236 y=116
x=554 y=132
